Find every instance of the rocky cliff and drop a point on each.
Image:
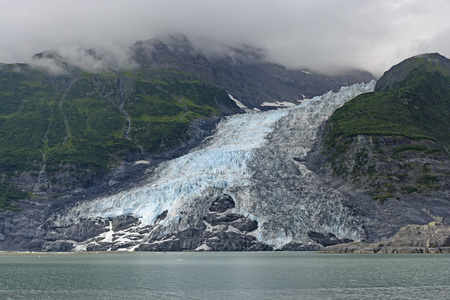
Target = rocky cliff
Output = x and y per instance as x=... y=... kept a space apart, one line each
x=388 y=150
x=431 y=238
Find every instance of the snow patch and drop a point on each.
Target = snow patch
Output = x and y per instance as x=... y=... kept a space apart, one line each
x=238 y=103
x=203 y=247
x=279 y=104
x=141 y=162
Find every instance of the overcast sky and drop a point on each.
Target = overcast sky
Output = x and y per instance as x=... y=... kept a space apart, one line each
x=318 y=34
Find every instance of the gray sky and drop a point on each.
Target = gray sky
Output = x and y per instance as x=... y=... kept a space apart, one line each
x=318 y=34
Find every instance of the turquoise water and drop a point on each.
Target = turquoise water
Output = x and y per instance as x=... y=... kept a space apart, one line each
x=263 y=275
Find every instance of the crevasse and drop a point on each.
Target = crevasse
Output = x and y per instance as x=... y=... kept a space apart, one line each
x=220 y=163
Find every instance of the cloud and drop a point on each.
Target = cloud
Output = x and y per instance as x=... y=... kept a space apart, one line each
x=318 y=34
x=115 y=56
x=49 y=65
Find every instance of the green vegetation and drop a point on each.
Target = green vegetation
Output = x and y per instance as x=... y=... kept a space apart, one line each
x=9 y=193
x=161 y=114
x=408 y=115
x=414 y=147
x=91 y=121
x=419 y=108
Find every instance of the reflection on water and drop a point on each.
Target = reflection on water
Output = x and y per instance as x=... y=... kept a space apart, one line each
x=264 y=275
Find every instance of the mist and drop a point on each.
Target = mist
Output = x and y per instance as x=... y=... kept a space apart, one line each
x=325 y=35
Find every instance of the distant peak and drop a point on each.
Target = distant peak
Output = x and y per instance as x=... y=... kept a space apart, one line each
x=429 y=55
x=48 y=54
x=430 y=62
x=173 y=41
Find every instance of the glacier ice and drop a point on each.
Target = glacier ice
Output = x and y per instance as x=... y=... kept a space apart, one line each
x=233 y=161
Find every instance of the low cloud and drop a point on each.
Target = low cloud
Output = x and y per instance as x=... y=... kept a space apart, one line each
x=324 y=35
x=114 y=57
x=48 y=64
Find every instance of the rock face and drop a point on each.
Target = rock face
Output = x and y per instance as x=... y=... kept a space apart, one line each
x=394 y=142
x=222 y=230
x=431 y=238
x=242 y=72
x=388 y=150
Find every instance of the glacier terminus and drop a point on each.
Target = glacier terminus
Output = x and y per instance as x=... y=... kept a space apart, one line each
x=246 y=187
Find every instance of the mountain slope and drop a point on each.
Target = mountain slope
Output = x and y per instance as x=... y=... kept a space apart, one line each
x=70 y=124
x=243 y=72
x=395 y=141
x=245 y=188
x=388 y=150
x=72 y=131
x=61 y=131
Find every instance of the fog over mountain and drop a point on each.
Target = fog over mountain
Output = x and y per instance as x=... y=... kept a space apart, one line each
x=325 y=35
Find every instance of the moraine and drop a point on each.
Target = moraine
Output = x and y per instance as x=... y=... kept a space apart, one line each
x=244 y=188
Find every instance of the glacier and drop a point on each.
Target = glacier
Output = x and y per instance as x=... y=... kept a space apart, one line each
x=256 y=159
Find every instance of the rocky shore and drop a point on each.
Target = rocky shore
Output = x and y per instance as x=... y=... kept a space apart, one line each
x=431 y=238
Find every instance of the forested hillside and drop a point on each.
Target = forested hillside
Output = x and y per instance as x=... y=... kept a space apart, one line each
x=62 y=128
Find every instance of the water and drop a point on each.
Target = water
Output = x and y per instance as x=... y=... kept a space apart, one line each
x=265 y=275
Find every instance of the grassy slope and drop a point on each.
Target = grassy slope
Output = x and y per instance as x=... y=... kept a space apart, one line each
x=413 y=101
x=79 y=119
x=419 y=108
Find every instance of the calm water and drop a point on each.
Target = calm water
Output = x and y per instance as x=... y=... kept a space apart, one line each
x=267 y=275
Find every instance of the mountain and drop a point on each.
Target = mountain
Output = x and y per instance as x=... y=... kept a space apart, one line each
x=393 y=145
x=243 y=72
x=355 y=165
x=80 y=121
x=60 y=132
x=243 y=188
x=401 y=131
x=161 y=158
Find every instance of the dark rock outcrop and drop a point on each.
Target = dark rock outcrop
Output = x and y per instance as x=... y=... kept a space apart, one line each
x=222 y=230
x=431 y=238
x=326 y=239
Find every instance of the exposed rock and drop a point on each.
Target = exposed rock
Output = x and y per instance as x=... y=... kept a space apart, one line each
x=124 y=222
x=222 y=230
x=243 y=73
x=431 y=238
x=222 y=204
x=326 y=239
x=98 y=247
x=58 y=246
x=388 y=150
x=300 y=247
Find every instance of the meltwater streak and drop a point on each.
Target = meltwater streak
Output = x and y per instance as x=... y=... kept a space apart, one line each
x=219 y=164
